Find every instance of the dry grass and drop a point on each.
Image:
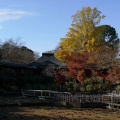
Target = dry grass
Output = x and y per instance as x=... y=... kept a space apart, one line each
x=52 y=113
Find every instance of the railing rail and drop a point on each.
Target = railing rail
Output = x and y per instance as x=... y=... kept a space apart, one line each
x=112 y=99
x=63 y=96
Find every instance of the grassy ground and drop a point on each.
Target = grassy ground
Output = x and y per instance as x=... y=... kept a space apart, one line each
x=52 y=113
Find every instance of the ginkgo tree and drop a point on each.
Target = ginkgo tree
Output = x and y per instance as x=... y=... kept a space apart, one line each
x=87 y=37
x=79 y=38
x=85 y=34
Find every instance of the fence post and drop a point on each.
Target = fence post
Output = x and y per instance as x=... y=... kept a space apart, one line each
x=112 y=100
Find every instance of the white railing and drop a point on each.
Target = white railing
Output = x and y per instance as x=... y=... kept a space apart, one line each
x=112 y=99
x=62 y=96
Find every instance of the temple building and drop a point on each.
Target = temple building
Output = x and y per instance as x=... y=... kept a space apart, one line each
x=15 y=74
x=47 y=59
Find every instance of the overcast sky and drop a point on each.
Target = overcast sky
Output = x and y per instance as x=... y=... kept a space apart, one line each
x=41 y=23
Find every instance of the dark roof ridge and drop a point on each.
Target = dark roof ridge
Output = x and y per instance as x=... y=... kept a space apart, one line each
x=49 y=58
x=47 y=53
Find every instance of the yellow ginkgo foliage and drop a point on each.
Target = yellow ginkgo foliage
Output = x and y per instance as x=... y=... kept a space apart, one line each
x=80 y=36
x=63 y=55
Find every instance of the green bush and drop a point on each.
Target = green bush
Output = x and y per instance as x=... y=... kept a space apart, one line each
x=82 y=89
x=75 y=86
x=117 y=88
x=13 y=88
x=87 y=81
x=69 y=86
x=68 y=89
x=89 y=88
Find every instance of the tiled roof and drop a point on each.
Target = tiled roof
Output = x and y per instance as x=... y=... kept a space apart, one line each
x=13 y=64
x=47 y=59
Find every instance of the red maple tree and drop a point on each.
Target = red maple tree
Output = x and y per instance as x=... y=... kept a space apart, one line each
x=60 y=77
x=114 y=74
x=77 y=66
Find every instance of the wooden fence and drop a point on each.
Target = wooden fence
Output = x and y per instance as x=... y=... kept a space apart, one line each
x=48 y=95
x=112 y=99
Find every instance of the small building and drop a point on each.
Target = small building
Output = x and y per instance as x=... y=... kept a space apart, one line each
x=47 y=63
x=47 y=59
x=12 y=72
x=20 y=75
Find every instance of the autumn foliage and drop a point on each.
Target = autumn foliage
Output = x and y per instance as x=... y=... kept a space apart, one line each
x=89 y=48
x=60 y=77
x=114 y=74
x=77 y=66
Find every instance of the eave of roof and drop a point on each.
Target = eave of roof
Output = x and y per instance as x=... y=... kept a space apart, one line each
x=47 y=59
x=14 y=65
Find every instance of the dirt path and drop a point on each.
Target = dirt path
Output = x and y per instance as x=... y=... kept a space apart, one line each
x=52 y=113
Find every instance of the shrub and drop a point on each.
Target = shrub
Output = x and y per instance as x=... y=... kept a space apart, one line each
x=89 y=88
x=82 y=89
x=13 y=88
x=117 y=88
x=87 y=81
